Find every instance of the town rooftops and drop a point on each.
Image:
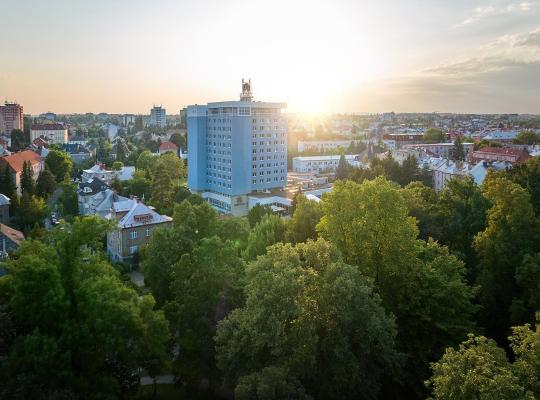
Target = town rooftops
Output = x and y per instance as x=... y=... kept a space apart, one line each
x=16 y=160
x=13 y=234
x=138 y=214
x=48 y=127
x=518 y=155
x=4 y=200
x=91 y=187
x=168 y=146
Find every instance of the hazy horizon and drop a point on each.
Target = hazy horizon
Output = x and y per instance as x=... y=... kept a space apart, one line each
x=345 y=56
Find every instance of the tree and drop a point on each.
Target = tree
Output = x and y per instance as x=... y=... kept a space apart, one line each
x=77 y=318
x=421 y=202
x=462 y=210
x=234 y=229
x=117 y=165
x=477 y=370
x=139 y=186
x=60 y=164
x=312 y=319
x=270 y=230
x=162 y=191
x=68 y=201
x=171 y=164
x=458 y=152
x=191 y=223
x=512 y=231
x=527 y=137
x=17 y=140
x=8 y=186
x=146 y=162
x=30 y=211
x=342 y=170
x=256 y=213
x=434 y=135
x=409 y=171
x=525 y=343
x=270 y=383
x=27 y=179
x=46 y=183
x=420 y=283
x=304 y=220
x=204 y=286
x=528 y=176
x=178 y=139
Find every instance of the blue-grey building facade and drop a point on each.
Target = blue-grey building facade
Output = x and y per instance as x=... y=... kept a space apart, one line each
x=236 y=148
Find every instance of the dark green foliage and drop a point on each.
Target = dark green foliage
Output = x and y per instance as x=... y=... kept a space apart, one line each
x=458 y=152
x=257 y=213
x=310 y=322
x=342 y=170
x=28 y=185
x=60 y=164
x=434 y=135
x=79 y=332
x=18 y=141
x=270 y=230
x=46 y=183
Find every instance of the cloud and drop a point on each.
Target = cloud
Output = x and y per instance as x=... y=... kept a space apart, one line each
x=497 y=9
x=501 y=77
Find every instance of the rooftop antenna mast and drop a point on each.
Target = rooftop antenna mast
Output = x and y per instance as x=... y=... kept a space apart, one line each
x=246 y=94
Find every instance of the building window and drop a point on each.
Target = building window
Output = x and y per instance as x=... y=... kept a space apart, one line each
x=148 y=232
x=133 y=235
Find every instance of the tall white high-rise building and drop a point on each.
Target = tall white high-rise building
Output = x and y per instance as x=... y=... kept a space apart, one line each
x=158 y=117
x=236 y=148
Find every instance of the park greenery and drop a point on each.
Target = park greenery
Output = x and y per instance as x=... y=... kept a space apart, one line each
x=384 y=289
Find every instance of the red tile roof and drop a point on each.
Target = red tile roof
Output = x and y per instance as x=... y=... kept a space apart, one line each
x=16 y=160
x=521 y=155
x=168 y=146
x=13 y=234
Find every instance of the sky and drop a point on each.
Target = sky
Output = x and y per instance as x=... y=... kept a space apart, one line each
x=123 y=56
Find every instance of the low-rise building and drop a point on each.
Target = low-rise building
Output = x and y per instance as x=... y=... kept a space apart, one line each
x=56 y=133
x=100 y=172
x=15 y=164
x=444 y=170
x=490 y=154
x=10 y=240
x=135 y=222
x=78 y=153
x=320 y=164
x=96 y=198
x=5 y=202
x=166 y=147
x=324 y=145
x=444 y=150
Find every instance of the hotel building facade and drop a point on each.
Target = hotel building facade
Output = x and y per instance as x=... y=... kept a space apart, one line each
x=236 y=148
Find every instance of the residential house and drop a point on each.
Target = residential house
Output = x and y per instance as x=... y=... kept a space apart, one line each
x=10 y=240
x=135 y=222
x=167 y=147
x=77 y=152
x=4 y=208
x=56 y=133
x=15 y=163
x=490 y=154
x=100 y=172
x=96 y=198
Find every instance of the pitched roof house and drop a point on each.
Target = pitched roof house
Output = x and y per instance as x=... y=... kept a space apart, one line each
x=10 y=240
x=135 y=222
x=15 y=163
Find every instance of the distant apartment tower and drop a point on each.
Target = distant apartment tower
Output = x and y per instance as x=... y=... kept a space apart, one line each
x=158 y=117
x=11 y=117
x=236 y=148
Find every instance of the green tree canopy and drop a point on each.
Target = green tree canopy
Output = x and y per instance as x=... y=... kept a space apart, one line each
x=527 y=137
x=303 y=223
x=312 y=318
x=81 y=332
x=60 y=164
x=46 y=183
x=434 y=135
x=28 y=185
x=269 y=231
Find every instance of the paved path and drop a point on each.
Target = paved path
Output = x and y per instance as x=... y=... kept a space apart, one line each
x=160 y=380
